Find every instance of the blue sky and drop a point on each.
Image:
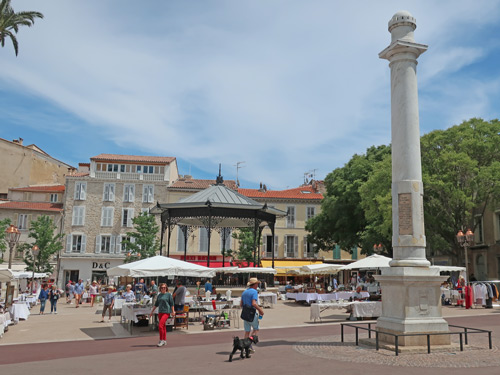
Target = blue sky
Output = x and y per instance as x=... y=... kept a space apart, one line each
x=286 y=86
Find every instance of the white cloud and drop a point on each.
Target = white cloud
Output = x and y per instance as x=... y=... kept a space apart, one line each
x=287 y=86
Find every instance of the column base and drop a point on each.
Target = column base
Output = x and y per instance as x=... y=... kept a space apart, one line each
x=411 y=303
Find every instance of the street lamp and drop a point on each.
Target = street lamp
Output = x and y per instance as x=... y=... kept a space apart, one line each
x=466 y=240
x=34 y=250
x=13 y=235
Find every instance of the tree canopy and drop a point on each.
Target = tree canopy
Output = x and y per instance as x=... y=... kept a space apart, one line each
x=10 y=21
x=42 y=231
x=461 y=176
x=143 y=242
x=247 y=247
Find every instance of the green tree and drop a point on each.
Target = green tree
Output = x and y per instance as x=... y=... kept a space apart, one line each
x=143 y=242
x=247 y=243
x=10 y=21
x=461 y=174
x=342 y=218
x=4 y=246
x=42 y=232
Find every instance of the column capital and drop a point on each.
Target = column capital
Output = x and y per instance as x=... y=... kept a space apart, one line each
x=402 y=46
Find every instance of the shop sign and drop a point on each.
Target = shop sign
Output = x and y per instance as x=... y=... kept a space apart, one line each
x=100 y=266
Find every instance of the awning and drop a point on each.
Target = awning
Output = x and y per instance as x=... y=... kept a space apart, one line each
x=282 y=266
x=212 y=263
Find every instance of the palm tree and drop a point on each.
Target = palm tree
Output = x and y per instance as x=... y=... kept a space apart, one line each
x=10 y=22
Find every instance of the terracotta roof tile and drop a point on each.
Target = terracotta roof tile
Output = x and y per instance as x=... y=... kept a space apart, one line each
x=32 y=206
x=42 y=189
x=134 y=158
x=302 y=192
x=192 y=183
x=78 y=174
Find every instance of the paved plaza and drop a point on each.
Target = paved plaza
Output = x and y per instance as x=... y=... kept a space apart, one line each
x=74 y=340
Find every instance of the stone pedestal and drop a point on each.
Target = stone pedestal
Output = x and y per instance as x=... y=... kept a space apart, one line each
x=411 y=303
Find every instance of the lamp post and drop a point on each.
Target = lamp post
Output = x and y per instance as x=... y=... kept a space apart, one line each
x=466 y=240
x=13 y=235
x=34 y=250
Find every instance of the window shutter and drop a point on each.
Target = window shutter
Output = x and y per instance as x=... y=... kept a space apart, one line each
x=84 y=244
x=16 y=218
x=105 y=193
x=295 y=246
x=275 y=246
x=305 y=247
x=126 y=189
x=112 y=192
x=113 y=244
x=264 y=244
x=130 y=217
x=286 y=247
x=98 y=244
x=203 y=240
x=119 y=244
x=83 y=191
x=82 y=216
x=68 y=243
x=28 y=221
x=131 y=193
x=103 y=216
x=75 y=216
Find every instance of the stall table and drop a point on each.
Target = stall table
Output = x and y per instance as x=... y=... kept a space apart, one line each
x=267 y=299
x=360 y=309
x=19 y=311
x=309 y=297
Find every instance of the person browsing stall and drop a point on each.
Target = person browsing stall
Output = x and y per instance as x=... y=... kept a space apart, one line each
x=250 y=297
x=357 y=296
x=179 y=296
x=165 y=304
x=129 y=296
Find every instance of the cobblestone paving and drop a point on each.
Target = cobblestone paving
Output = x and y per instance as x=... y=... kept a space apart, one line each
x=476 y=354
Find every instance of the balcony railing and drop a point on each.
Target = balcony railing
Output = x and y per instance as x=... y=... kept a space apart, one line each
x=130 y=176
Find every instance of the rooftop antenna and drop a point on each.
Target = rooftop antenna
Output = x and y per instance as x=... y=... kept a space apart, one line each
x=237 y=165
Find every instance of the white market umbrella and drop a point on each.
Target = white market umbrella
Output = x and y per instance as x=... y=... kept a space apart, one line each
x=6 y=275
x=372 y=262
x=29 y=275
x=320 y=269
x=161 y=266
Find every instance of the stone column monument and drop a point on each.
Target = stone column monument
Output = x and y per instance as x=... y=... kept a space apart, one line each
x=410 y=289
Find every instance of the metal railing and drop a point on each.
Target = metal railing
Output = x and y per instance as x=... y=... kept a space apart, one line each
x=462 y=335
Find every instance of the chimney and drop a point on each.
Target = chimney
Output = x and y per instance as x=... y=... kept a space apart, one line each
x=18 y=141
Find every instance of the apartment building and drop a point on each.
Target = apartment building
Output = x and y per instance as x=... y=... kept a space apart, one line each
x=101 y=200
x=24 y=205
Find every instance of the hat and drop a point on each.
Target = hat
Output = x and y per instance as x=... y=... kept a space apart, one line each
x=252 y=281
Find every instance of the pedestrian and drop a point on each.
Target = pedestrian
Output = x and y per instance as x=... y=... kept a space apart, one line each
x=67 y=290
x=42 y=297
x=54 y=296
x=109 y=301
x=250 y=298
x=140 y=289
x=165 y=304
x=78 y=292
x=153 y=291
x=179 y=297
x=93 y=292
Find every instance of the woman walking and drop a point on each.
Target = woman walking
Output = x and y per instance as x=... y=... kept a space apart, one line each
x=93 y=292
x=42 y=297
x=165 y=304
x=54 y=295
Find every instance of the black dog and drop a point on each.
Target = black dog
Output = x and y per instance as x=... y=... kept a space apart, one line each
x=243 y=345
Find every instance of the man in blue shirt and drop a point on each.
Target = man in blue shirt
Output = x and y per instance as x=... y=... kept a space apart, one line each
x=208 y=286
x=78 y=292
x=250 y=297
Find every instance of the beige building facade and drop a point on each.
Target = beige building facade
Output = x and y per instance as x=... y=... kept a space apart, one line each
x=28 y=165
x=101 y=200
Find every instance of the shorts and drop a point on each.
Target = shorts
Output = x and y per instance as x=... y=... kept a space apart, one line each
x=248 y=326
